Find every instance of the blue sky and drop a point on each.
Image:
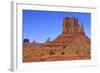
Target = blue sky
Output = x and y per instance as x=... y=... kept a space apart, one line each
x=40 y=25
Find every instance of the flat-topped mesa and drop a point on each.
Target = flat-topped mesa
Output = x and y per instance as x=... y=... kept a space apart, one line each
x=70 y=25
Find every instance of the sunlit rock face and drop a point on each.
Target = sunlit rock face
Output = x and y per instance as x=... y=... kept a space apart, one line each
x=72 y=34
x=70 y=25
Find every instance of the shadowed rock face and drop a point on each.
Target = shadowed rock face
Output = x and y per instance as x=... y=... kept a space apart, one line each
x=71 y=44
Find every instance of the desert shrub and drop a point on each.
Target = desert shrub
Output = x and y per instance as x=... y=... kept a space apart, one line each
x=77 y=52
x=41 y=53
x=88 y=52
x=51 y=52
x=62 y=52
x=34 y=53
x=64 y=46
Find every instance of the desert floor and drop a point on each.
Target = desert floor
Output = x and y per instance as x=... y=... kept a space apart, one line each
x=37 y=54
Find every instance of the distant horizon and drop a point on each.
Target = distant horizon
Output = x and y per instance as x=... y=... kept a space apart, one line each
x=41 y=25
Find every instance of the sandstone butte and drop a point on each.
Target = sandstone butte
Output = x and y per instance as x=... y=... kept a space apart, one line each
x=71 y=44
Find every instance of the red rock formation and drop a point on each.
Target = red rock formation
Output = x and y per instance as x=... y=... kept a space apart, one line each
x=70 y=25
x=72 y=34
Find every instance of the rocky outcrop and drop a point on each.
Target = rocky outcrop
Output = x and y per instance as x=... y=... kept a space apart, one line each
x=70 y=25
x=72 y=34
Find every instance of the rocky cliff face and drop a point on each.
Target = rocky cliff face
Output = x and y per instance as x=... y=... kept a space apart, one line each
x=70 y=25
x=72 y=35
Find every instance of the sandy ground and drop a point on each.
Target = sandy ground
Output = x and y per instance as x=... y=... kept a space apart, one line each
x=51 y=54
